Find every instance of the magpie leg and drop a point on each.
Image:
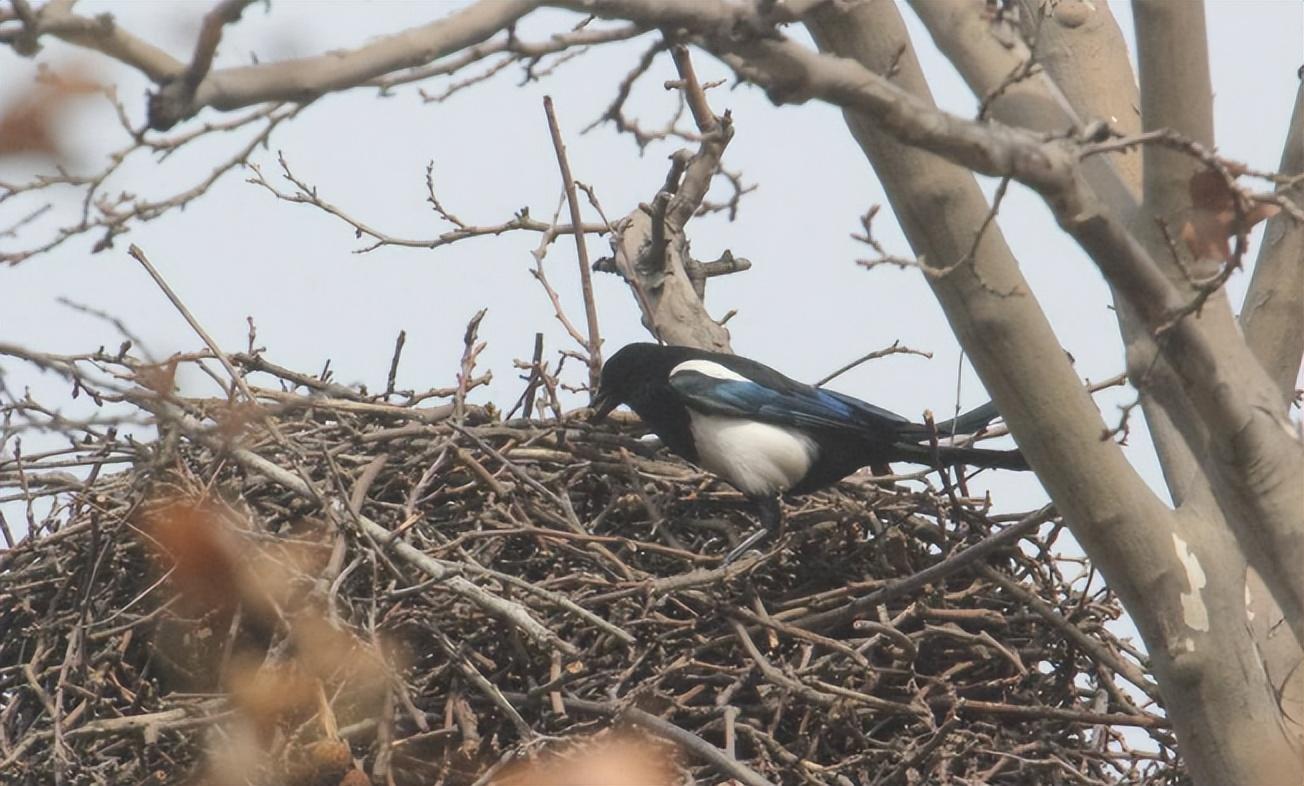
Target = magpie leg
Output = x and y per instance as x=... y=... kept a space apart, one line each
x=771 y=516
x=880 y=469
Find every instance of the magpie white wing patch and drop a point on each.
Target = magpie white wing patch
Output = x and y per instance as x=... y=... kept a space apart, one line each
x=708 y=368
x=759 y=458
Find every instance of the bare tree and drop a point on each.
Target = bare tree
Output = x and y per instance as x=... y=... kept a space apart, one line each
x=1213 y=581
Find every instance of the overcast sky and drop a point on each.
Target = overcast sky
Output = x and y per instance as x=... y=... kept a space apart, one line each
x=804 y=307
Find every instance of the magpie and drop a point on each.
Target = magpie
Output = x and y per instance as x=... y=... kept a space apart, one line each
x=767 y=434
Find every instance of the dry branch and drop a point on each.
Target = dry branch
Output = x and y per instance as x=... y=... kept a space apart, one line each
x=650 y=244
x=593 y=338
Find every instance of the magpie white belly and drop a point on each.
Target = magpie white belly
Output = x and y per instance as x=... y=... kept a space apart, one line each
x=759 y=458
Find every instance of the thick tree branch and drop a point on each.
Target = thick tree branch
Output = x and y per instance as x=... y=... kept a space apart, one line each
x=1272 y=316
x=986 y=54
x=651 y=247
x=1082 y=49
x=303 y=79
x=672 y=310
x=1249 y=476
x=210 y=35
x=998 y=67
x=102 y=34
x=1077 y=37
x=1176 y=93
x=1008 y=338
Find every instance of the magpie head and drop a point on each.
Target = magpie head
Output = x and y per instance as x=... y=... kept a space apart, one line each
x=631 y=374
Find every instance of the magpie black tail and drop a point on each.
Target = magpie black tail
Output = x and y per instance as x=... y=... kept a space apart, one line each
x=949 y=455
x=969 y=422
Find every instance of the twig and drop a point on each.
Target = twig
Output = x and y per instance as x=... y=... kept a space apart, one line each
x=236 y=378
x=393 y=363
x=581 y=250
x=513 y=613
x=1092 y=647
x=693 y=93
x=894 y=349
x=306 y=194
x=967 y=706
x=979 y=551
x=488 y=688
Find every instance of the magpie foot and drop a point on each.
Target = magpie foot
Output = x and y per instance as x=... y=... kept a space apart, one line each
x=771 y=516
x=747 y=543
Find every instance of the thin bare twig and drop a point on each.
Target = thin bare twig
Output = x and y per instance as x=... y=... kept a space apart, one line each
x=581 y=250
x=894 y=349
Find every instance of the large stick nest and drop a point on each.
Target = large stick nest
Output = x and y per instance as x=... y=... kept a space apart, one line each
x=329 y=585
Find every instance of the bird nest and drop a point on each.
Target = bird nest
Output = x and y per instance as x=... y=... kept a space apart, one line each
x=329 y=587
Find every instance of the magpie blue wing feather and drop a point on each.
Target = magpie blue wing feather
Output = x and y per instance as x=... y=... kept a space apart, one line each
x=862 y=408
x=736 y=387
x=797 y=405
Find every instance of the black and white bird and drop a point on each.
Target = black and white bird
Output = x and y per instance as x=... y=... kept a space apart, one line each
x=767 y=434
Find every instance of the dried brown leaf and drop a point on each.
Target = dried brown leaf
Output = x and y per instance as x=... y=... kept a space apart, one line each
x=161 y=378
x=29 y=123
x=1214 y=219
x=235 y=417
x=270 y=694
x=355 y=778
x=191 y=542
x=614 y=761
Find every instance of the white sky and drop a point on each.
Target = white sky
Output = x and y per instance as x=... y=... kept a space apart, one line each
x=805 y=307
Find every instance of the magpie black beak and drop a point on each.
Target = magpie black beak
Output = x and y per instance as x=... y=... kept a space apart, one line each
x=602 y=405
